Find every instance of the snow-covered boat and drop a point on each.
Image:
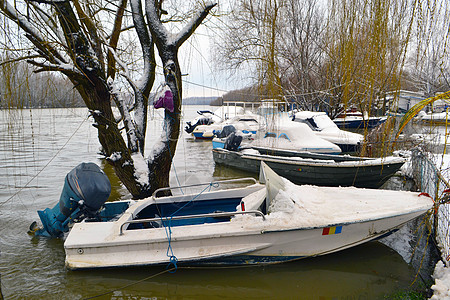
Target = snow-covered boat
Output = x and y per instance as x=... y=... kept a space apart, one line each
x=438 y=118
x=207 y=120
x=313 y=168
x=325 y=128
x=256 y=224
x=246 y=123
x=285 y=137
x=294 y=136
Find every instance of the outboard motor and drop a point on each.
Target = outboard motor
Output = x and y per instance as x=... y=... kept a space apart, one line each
x=202 y=121
x=189 y=127
x=86 y=189
x=232 y=142
x=226 y=131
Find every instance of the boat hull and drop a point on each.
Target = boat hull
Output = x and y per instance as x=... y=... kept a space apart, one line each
x=310 y=172
x=226 y=243
x=358 y=123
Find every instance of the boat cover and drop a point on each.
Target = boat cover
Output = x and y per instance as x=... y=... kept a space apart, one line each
x=274 y=183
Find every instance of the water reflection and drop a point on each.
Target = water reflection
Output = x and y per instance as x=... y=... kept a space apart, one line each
x=352 y=274
x=118 y=191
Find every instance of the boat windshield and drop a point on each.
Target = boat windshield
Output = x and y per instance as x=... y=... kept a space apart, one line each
x=323 y=122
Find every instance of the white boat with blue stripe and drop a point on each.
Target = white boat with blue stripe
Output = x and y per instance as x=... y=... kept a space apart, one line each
x=261 y=223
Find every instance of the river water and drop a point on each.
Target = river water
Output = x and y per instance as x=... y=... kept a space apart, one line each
x=38 y=147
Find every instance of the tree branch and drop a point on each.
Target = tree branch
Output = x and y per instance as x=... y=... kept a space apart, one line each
x=189 y=29
x=92 y=29
x=146 y=82
x=158 y=31
x=115 y=34
x=19 y=59
x=67 y=69
x=31 y=33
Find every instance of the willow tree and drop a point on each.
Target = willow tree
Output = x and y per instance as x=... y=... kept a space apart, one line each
x=367 y=43
x=82 y=40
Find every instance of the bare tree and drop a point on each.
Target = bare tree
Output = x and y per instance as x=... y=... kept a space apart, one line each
x=251 y=39
x=367 y=42
x=21 y=88
x=327 y=56
x=301 y=52
x=80 y=39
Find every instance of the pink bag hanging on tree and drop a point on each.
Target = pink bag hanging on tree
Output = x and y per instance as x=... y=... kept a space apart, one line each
x=164 y=99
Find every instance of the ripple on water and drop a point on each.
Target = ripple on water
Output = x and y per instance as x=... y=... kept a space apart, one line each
x=33 y=268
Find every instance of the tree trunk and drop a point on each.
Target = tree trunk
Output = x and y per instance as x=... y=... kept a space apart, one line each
x=161 y=164
x=97 y=99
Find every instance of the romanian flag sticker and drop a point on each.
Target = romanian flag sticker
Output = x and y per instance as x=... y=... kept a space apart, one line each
x=332 y=230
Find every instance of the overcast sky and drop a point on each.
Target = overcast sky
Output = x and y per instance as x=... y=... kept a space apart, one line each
x=203 y=79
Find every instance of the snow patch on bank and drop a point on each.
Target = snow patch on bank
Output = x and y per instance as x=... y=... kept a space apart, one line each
x=441 y=287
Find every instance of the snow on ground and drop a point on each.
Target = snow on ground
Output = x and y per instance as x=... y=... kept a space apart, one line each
x=441 y=287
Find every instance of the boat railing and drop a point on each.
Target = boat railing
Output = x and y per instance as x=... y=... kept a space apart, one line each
x=212 y=183
x=209 y=215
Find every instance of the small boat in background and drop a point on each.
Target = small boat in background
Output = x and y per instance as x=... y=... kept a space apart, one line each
x=282 y=135
x=268 y=222
x=313 y=168
x=325 y=128
x=356 y=120
x=208 y=118
x=438 y=118
x=293 y=136
x=246 y=123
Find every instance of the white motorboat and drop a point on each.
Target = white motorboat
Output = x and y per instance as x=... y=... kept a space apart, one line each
x=439 y=118
x=325 y=128
x=257 y=224
x=246 y=123
x=207 y=120
x=283 y=134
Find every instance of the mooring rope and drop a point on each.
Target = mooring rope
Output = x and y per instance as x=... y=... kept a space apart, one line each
x=131 y=284
x=168 y=228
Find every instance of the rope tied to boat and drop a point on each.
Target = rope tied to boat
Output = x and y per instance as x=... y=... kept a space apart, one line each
x=435 y=204
x=173 y=260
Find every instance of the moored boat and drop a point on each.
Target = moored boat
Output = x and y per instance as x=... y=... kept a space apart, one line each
x=270 y=223
x=325 y=128
x=356 y=120
x=246 y=123
x=209 y=118
x=313 y=168
x=286 y=135
x=437 y=118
